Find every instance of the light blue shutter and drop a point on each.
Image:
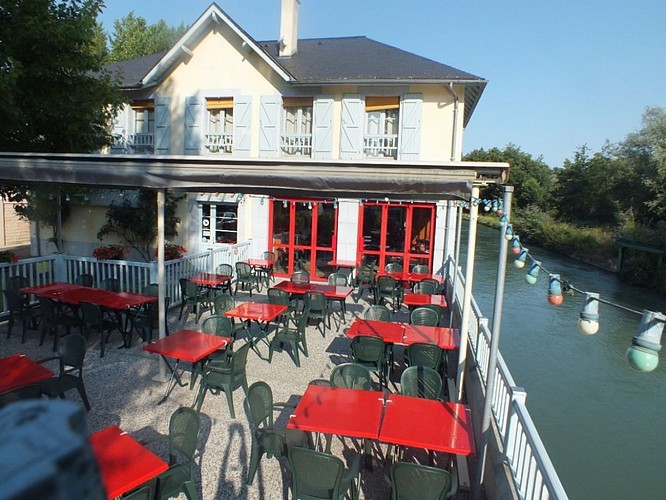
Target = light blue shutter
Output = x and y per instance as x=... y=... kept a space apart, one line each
x=120 y=130
x=351 y=131
x=322 y=127
x=162 y=126
x=193 y=135
x=242 y=125
x=269 y=118
x=409 y=138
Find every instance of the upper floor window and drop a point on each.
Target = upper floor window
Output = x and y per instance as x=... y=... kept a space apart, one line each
x=143 y=138
x=219 y=223
x=381 y=127
x=220 y=118
x=296 y=137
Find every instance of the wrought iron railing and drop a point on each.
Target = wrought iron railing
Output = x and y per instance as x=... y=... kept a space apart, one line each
x=296 y=144
x=220 y=143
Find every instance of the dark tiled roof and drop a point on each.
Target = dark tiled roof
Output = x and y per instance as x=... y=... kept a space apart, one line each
x=130 y=73
x=359 y=58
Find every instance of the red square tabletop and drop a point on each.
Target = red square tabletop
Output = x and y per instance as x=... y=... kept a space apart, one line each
x=123 y=462
x=408 y=277
x=429 y=424
x=188 y=345
x=387 y=331
x=333 y=291
x=263 y=263
x=117 y=300
x=257 y=311
x=421 y=299
x=444 y=338
x=344 y=263
x=344 y=412
x=297 y=288
x=210 y=279
x=52 y=290
x=17 y=371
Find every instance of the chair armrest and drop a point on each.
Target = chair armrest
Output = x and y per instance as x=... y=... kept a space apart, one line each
x=454 y=482
x=282 y=406
x=44 y=360
x=354 y=469
x=154 y=439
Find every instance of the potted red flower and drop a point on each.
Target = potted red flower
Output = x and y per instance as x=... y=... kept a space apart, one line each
x=111 y=252
x=8 y=256
x=173 y=251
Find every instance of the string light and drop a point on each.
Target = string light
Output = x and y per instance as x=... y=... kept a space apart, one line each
x=515 y=245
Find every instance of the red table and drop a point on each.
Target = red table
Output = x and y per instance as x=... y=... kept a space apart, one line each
x=259 y=312
x=75 y=294
x=409 y=277
x=330 y=291
x=123 y=462
x=262 y=267
x=429 y=424
x=405 y=334
x=421 y=299
x=17 y=371
x=344 y=412
x=185 y=345
x=210 y=279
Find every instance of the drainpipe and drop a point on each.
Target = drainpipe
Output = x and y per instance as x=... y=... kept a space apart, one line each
x=454 y=136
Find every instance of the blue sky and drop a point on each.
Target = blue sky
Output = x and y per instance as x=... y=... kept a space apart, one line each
x=561 y=74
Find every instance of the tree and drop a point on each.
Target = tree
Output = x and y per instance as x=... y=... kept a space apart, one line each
x=54 y=95
x=135 y=222
x=532 y=178
x=133 y=37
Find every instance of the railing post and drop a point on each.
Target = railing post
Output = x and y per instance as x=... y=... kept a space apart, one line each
x=519 y=395
x=59 y=263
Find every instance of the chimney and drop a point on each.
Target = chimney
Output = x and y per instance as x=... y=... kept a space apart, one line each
x=288 y=44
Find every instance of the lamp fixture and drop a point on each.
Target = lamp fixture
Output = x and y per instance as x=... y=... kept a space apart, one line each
x=508 y=232
x=588 y=322
x=285 y=203
x=643 y=354
x=503 y=220
x=515 y=245
x=554 y=290
x=519 y=263
x=533 y=274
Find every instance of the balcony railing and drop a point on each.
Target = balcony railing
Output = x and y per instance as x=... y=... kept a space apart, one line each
x=219 y=143
x=133 y=143
x=296 y=144
x=380 y=146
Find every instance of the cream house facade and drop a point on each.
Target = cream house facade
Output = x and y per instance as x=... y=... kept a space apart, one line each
x=219 y=93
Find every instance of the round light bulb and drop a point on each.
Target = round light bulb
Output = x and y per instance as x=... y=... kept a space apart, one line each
x=555 y=300
x=642 y=359
x=519 y=264
x=530 y=279
x=588 y=327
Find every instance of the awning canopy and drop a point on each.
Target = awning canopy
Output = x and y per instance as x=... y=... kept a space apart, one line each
x=271 y=177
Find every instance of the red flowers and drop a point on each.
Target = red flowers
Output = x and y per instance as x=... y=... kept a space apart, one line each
x=8 y=256
x=111 y=252
x=172 y=251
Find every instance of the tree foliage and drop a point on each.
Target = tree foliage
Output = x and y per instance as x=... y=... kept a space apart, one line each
x=54 y=95
x=133 y=37
x=135 y=221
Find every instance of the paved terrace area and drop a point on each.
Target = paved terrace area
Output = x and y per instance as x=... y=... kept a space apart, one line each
x=122 y=391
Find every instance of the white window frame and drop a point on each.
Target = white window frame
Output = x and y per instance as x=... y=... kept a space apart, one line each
x=296 y=137
x=220 y=130
x=215 y=214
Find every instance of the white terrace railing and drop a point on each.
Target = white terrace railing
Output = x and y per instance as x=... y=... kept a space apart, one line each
x=534 y=475
x=133 y=276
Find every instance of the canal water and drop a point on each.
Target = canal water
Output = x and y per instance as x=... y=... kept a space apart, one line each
x=603 y=424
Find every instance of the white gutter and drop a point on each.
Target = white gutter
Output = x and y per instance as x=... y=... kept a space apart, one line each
x=454 y=138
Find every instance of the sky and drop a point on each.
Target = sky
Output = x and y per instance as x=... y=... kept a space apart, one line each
x=561 y=74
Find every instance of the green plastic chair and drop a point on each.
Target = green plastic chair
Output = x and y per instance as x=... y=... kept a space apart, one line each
x=184 y=428
x=281 y=297
x=15 y=283
x=318 y=475
x=371 y=352
x=110 y=284
x=434 y=282
x=424 y=287
x=295 y=337
x=94 y=322
x=54 y=318
x=194 y=296
x=246 y=279
x=20 y=310
x=393 y=267
x=420 y=269
x=364 y=280
x=377 y=313
x=300 y=277
x=423 y=354
x=352 y=376
x=223 y=303
x=315 y=305
x=142 y=493
x=266 y=438
x=387 y=289
x=421 y=382
x=226 y=376
x=31 y=391
x=151 y=289
x=411 y=481
x=146 y=319
x=71 y=353
x=85 y=279
x=338 y=279
x=218 y=324
x=424 y=316
x=266 y=274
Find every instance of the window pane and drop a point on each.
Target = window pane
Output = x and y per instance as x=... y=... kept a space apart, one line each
x=395 y=229
x=303 y=235
x=372 y=225
x=325 y=225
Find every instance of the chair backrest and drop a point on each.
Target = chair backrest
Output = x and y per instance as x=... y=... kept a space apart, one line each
x=434 y=282
x=151 y=289
x=260 y=403
x=351 y=376
x=314 y=302
x=365 y=274
x=222 y=303
x=412 y=481
x=393 y=267
x=367 y=349
x=91 y=314
x=422 y=354
x=243 y=270
x=278 y=296
x=15 y=301
x=337 y=279
x=268 y=256
x=421 y=382
x=239 y=360
x=15 y=283
x=420 y=269
x=377 y=312
x=386 y=284
x=188 y=288
x=225 y=270
x=424 y=316
x=184 y=426
x=48 y=308
x=315 y=474
x=300 y=277
x=110 y=284
x=71 y=351
x=424 y=287
x=217 y=324
x=85 y=279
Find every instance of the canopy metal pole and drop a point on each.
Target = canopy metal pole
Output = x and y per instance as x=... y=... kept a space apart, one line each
x=467 y=296
x=456 y=262
x=161 y=293
x=494 y=344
